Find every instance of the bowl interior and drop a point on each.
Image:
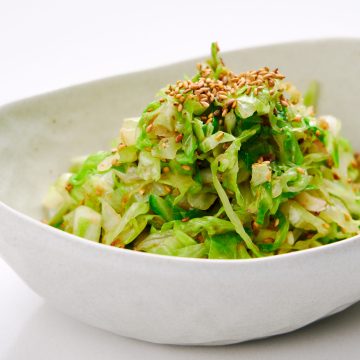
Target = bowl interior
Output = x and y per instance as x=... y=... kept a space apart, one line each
x=38 y=136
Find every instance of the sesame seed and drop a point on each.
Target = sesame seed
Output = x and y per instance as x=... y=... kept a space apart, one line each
x=222 y=97
x=283 y=102
x=180 y=107
x=242 y=82
x=279 y=76
x=179 y=138
x=255 y=225
x=165 y=169
x=219 y=136
x=186 y=219
x=149 y=127
x=323 y=124
x=186 y=167
x=300 y=170
x=115 y=162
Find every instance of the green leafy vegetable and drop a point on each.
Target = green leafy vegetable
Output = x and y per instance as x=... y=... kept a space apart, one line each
x=220 y=166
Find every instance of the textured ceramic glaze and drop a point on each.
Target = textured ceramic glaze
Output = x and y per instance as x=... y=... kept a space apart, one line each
x=157 y=298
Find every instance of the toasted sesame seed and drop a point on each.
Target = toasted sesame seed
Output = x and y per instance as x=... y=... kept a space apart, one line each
x=300 y=170
x=180 y=107
x=219 y=136
x=242 y=82
x=279 y=76
x=165 y=169
x=115 y=162
x=222 y=97
x=186 y=167
x=323 y=124
x=230 y=102
x=186 y=219
x=149 y=127
x=179 y=138
x=283 y=102
x=268 y=75
x=276 y=222
x=204 y=104
x=255 y=225
x=317 y=132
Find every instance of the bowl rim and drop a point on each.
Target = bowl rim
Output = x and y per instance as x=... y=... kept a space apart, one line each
x=115 y=250
x=319 y=40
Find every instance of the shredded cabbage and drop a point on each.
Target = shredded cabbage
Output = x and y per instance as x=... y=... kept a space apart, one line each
x=219 y=166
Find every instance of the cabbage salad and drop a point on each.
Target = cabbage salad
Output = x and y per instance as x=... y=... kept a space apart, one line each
x=219 y=166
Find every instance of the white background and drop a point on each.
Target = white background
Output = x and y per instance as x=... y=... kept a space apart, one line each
x=46 y=45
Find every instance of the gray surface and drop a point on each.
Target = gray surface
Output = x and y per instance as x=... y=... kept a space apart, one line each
x=31 y=329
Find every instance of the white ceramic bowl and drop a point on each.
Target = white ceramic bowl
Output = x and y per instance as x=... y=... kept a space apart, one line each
x=158 y=298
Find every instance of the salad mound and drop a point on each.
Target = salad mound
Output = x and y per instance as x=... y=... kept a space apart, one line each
x=220 y=166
